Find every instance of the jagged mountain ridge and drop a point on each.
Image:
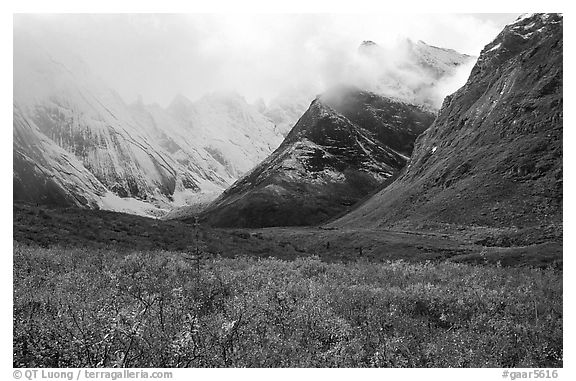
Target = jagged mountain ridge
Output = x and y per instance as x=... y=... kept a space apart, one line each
x=143 y=159
x=493 y=157
x=346 y=144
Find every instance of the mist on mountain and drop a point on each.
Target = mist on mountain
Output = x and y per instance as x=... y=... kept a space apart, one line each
x=259 y=56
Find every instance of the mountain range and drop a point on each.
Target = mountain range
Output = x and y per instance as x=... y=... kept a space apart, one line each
x=76 y=142
x=285 y=190
x=288 y=162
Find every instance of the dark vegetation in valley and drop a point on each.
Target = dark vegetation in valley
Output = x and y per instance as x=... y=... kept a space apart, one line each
x=89 y=307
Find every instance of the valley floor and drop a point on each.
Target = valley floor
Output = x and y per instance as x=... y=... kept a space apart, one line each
x=72 y=227
x=97 y=288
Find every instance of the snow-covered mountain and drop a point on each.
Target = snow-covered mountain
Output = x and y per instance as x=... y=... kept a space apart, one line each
x=231 y=130
x=412 y=72
x=76 y=138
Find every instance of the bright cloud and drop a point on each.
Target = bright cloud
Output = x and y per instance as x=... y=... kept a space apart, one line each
x=261 y=55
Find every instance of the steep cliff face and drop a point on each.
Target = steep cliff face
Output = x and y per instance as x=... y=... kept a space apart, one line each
x=493 y=156
x=346 y=144
x=39 y=166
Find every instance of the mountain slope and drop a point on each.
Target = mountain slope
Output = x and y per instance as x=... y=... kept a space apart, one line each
x=493 y=157
x=346 y=144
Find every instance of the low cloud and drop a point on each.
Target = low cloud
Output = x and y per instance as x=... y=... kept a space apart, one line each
x=259 y=56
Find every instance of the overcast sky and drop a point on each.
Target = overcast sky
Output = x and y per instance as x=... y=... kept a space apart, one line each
x=161 y=55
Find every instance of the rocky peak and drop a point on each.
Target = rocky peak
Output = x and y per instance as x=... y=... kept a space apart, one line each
x=344 y=146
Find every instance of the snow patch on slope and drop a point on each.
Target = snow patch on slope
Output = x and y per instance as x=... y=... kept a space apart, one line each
x=112 y=202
